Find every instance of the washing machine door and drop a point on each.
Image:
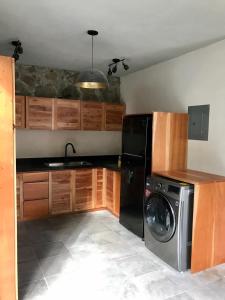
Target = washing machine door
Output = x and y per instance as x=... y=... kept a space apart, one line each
x=160 y=217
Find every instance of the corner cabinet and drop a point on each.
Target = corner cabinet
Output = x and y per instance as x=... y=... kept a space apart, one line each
x=66 y=114
x=113 y=116
x=112 y=191
x=39 y=113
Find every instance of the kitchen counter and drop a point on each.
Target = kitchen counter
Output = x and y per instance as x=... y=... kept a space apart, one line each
x=192 y=176
x=39 y=164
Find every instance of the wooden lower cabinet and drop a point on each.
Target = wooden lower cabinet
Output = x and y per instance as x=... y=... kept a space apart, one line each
x=64 y=191
x=99 y=188
x=35 y=195
x=60 y=191
x=112 y=191
x=83 y=190
x=34 y=209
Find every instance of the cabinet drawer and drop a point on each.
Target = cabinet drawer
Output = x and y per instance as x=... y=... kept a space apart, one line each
x=33 y=177
x=35 y=190
x=35 y=208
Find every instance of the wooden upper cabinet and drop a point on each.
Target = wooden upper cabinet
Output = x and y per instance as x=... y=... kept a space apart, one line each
x=113 y=116
x=20 y=111
x=169 y=141
x=83 y=189
x=66 y=114
x=91 y=115
x=39 y=113
x=60 y=192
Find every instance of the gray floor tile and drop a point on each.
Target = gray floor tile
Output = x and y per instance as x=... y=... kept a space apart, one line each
x=43 y=250
x=57 y=264
x=92 y=256
x=29 y=271
x=34 y=290
x=26 y=253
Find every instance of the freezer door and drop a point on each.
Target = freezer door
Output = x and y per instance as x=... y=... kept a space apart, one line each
x=132 y=193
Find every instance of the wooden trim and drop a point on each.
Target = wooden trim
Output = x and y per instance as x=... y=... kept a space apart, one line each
x=169 y=141
x=8 y=256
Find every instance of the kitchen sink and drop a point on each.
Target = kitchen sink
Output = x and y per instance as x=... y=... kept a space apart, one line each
x=68 y=164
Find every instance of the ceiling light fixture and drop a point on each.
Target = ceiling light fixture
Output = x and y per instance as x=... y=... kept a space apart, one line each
x=92 y=79
x=113 y=65
x=18 y=49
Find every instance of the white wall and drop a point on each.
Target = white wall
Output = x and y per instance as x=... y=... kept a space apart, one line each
x=44 y=143
x=192 y=79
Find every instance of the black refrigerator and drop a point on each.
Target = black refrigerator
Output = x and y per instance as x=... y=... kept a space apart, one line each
x=135 y=166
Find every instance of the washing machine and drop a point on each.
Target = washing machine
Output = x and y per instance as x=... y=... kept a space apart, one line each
x=168 y=214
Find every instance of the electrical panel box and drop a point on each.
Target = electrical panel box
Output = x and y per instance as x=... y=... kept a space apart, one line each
x=198 y=122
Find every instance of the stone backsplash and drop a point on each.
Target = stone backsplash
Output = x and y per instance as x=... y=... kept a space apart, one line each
x=55 y=83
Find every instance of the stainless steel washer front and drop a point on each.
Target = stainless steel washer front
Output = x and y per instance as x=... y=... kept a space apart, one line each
x=168 y=213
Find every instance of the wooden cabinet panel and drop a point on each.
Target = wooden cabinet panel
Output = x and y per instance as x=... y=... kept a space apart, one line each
x=20 y=111
x=35 y=190
x=91 y=115
x=60 y=192
x=66 y=114
x=98 y=183
x=34 y=177
x=109 y=190
x=113 y=116
x=39 y=113
x=83 y=190
x=116 y=192
x=35 y=208
x=169 y=141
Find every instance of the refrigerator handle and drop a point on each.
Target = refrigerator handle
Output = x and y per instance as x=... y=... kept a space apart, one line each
x=130 y=176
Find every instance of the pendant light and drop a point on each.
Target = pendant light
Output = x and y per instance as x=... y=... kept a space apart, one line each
x=92 y=79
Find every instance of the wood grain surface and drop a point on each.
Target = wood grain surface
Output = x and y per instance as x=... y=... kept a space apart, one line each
x=8 y=257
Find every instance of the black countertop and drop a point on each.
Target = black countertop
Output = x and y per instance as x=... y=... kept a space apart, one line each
x=39 y=164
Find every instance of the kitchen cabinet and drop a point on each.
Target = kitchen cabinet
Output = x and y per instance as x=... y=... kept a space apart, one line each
x=19 y=192
x=169 y=141
x=60 y=200
x=20 y=111
x=99 y=188
x=112 y=190
x=113 y=116
x=83 y=190
x=39 y=113
x=66 y=114
x=91 y=115
x=35 y=195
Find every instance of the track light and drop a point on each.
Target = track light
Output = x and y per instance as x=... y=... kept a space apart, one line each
x=18 y=49
x=114 y=69
x=113 y=65
x=126 y=67
x=109 y=72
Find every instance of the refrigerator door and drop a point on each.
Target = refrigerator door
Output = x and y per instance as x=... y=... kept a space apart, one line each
x=132 y=193
x=134 y=135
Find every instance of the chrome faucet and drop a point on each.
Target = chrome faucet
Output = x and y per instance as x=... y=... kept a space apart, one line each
x=66 y=149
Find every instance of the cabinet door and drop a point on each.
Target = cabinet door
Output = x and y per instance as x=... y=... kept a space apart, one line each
x=109 y=190
x=83 y=190
x=67 y=114
x=91 y=116
x=35 y=209
x=20 y=111
x=113 y=116
x=116 y=192
x=39 y=113
x=60 y=192
x=98 y=183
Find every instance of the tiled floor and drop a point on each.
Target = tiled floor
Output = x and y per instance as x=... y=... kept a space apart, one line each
x=91 y=256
